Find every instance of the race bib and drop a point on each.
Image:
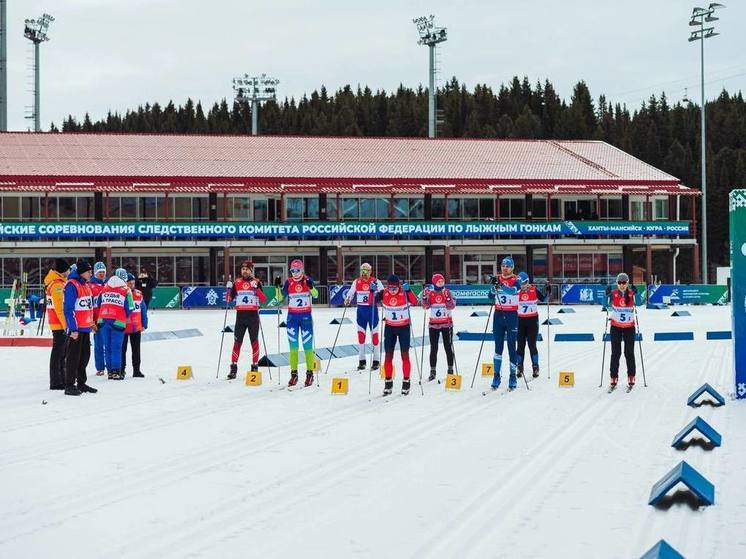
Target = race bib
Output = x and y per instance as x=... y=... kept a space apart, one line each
x=396 y=314
x=363 y=297
x=299 y=301
x=438 y=311
x=247 y=298
x=528 y=307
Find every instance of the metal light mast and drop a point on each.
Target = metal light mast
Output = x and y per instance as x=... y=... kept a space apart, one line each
x=3 y=66
x=430 y=36
x=36 y=31
x=700 y=16
x=255 y=89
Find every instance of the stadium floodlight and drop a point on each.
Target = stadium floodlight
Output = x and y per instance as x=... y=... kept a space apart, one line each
x=35 y=30
x=255 y=89
x=430 y=35
x=699 y=17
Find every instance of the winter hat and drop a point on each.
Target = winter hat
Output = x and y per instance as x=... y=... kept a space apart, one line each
x=99 y=267
x=247 y=264
x=438 y=278
x=366 y=266
x=121 y=273
x=82 y=266
x=296 y=264
x=393 y=279
x=622 y=277
x=61 y=265
x=130 y=277
x=523 y=278
x=508 y=262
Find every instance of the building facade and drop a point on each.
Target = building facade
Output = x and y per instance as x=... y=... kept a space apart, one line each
x=598 y=193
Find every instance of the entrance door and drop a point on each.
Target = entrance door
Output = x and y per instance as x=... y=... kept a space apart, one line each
x=479 y=272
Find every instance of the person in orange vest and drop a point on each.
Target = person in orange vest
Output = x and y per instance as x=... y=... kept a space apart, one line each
x=114 y=306
x=78 y=310
x=54 y=287
x=137 y=321
x=97 y=283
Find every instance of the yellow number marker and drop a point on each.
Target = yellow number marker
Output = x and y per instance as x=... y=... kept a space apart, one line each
x=488 y=369
x=340 y=385
x=253 y=378
x=567 y=379
x=453 y=382
x=184 y=372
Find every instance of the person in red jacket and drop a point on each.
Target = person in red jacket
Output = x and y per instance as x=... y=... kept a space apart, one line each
x=396 y=300
x=439 y=301
x=137 y=321
x=114 y=306
x=528 y=321
x=249 y=297
x=622 y=305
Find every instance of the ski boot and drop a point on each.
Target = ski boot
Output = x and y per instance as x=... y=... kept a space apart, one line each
x=536 y=371
x=388 y=387
x=116 y=374
x=630 y=382
x=110 y=374
x=496 y=381
x=512 y=382
x=361 y=365
x=613 y=385
x=405 y=387
x=450 y=371
x=85 y=388
x=432 y=376
x=72 y=391
x=375 y=366
x=309 y=379
x=99 y=373
x=138 y=374
x=293 y=378
x=234 y=371
x=519 y=374
x=255 y=367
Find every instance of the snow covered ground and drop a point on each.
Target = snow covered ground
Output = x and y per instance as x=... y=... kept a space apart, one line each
x=211 y=468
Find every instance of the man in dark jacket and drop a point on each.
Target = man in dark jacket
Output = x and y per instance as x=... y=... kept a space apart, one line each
x=146 y=284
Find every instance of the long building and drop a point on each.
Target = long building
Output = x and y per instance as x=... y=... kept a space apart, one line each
x=189 y=208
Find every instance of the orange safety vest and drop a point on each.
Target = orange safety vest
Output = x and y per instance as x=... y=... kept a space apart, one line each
x=83 y=305
x=113 y=300
x=134 y=321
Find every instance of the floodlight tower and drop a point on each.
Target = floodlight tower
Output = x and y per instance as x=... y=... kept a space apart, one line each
x=35 y=30
x=3 y=66
x=430 y=36
x=700 y=16
x=255 y=89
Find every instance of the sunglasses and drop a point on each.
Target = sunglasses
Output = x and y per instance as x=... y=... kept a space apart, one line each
x=295 y=270
x=621 y=283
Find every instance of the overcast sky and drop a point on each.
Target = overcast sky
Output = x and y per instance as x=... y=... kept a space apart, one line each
x=116 y=54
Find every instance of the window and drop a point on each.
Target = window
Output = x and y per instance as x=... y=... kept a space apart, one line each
x=148 y=207
x=660 y=208
x=383 y=208
x=114 y=207
x=67 y=207
x=538 y=207
x=367 y=208
x=85 y=207
x=166 y=270
x=350 y=208
x=11 y=207
x=311 y=208
x=331 y=208
x=260 y=210
x=199 y=208
x=129 y=207
x=294 y=208
x=31 y=207
x=417 y=208
x=616 y=264
x=454 y=208
x=470 y=208
x=637 y=210
x=182 y=207
x=200 y=269
x=611 y=208
x=11 y=270
x=555 y=209
x=486 y=208
x=512 y=208
x=184 y=270
x=401 y=208
x=241 y=208
x=600 y=265
x=352 y=268
x=439 y=208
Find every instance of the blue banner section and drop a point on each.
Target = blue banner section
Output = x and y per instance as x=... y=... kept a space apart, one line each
x=737 y=209
x=327 y=229
x=475 y=294
x=211 y=297
x=337 y=294
x=592 y=293
x=688 y=294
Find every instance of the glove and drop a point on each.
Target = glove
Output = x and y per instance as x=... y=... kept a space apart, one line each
x=406 y=286
x=228 y=284
x=608 y=290
x=373 y=288
x=309 y=282
x=426 y=292
x=492 y=293
x=255 y=284
x=278 y=282
x=314 y=292
x=493 y=280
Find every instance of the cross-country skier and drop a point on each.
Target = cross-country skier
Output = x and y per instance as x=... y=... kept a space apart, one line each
x=438 y=299
x=364 y=290
x=622 y=303
x=504 y=291
x=137 y=321
x=528 y=321
x=97 y=286
x=115 y=305
x=299 y=289
x=248 y=295
x=396 y=300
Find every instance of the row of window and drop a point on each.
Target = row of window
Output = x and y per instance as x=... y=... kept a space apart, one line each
x=195 y=208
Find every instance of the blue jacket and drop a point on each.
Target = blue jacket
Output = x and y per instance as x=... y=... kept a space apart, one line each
x=70 y=295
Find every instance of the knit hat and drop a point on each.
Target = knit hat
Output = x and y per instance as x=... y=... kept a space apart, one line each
x=247 y=264
x=523 y=278
x=83 y=266
x=393 y=279
x=296 y=264
x=121 y=273
x=99 y=267
x=508 y=262
x=622 y=277
x=61 y=265
x=438 y=278
x=130 y=277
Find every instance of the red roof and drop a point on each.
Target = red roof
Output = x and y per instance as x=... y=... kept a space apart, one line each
x=312 y=164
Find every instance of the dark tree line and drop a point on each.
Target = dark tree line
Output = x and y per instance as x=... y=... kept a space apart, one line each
x=664 y=136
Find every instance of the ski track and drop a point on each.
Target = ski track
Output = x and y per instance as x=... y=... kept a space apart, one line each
x=570 y=443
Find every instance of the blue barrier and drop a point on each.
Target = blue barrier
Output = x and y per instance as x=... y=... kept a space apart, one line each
x=270 y=311
x=681 y=313
x=479 y=313
x=344 y=320
x=466 y=336
x=703 y=427
x=584 y=337
x=551 y=322
x=638 y=337
x=705 y=388
x=720 y=335
x=566 y=310
x=657 y=306
x=662 y=550
x=683 y=473
x=171 y=335
x=673 y=336
x=283 y=324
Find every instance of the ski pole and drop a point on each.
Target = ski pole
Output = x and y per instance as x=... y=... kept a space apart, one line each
x=424 y=321
x=380 y=341
x=264 y=342
x=278 y=300
x=549 y=336
x=481 y=346
x=603 y=358
x=414 y=346
x=334 y=345
x=642 y=360
x=222 y=334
